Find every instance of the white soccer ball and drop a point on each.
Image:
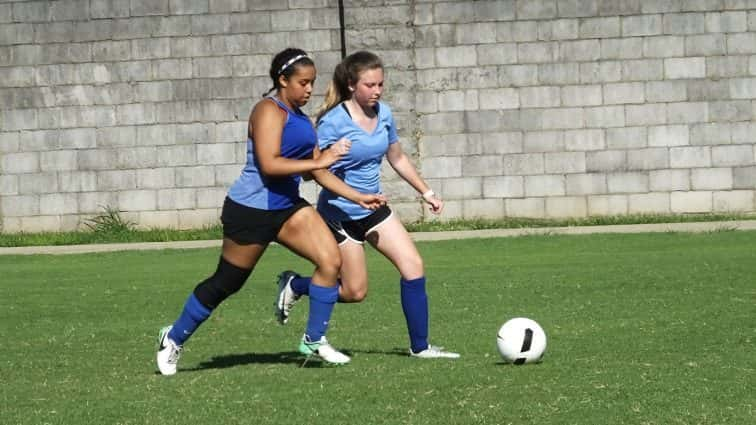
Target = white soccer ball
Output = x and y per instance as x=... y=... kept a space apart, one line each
x=521 y=340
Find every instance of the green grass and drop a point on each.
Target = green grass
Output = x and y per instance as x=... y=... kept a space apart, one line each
x=516 y=223
x=643 y=329
x=88 y=237
x=110 y=228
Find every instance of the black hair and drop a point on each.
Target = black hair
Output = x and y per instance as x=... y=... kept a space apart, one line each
x=285 y=63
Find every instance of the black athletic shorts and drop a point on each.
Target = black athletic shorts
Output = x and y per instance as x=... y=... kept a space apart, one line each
x=357 y=230
x=245 y=225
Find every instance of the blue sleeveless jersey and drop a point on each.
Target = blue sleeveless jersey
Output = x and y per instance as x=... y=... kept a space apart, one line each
x=256 y=190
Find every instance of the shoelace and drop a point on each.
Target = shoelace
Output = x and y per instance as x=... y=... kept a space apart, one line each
x=175 y=353
x=289 y=302
x=294 y=298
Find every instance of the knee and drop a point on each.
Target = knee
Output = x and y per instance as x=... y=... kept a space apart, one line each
x=419 y=265
x=351 y=295
x=226 y=281
x=413 y=267
x=330 y=264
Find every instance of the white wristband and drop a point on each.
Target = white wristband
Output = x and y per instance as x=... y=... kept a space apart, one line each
x=428 y=194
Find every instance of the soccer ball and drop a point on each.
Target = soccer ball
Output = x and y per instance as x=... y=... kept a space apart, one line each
x=521 y=340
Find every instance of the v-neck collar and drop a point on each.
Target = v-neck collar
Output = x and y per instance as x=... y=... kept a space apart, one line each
x=377 y=116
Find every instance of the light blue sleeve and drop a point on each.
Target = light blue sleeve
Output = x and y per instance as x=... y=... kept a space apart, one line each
x=393 y=137
x=328 y=132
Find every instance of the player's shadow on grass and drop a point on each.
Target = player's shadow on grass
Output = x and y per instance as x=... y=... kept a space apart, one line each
x=393 y=352
x=233 y=360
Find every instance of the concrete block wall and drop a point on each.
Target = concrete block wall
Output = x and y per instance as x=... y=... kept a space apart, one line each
x=385 y=27
x=552 y=108
x=539 y=108
x=138 y=105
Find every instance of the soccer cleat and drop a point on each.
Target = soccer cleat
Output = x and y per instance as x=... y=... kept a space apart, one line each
x=434 y=352
x=322 y=349
x=168 y=352
x=286 y=296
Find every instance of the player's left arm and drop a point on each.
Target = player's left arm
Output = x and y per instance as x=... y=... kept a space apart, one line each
x=403 y=166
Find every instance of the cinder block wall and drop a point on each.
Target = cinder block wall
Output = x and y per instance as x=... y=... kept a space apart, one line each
x=573 y=108
x=138 y=105
x=510 y=108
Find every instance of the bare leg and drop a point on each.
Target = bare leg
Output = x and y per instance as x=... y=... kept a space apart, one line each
x=306 y=234
x=354 y=278
x=392 y=240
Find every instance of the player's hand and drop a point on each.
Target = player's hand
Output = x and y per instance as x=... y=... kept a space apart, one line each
x=372 y=201
x=435 y=204
x=342 y=146
x=334 y=153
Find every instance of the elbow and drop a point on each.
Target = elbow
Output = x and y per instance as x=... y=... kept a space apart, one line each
x=270 y=167
x=268 y=171
x=396 y=163
x=396 y=159
x=264 y=169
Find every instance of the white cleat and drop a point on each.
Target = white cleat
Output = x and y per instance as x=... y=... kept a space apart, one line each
x=168 y=352
x=322 y=349
x=286 y=296
x=434 y=352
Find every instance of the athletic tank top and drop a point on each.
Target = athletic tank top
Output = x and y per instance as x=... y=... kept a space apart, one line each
x=257 y=190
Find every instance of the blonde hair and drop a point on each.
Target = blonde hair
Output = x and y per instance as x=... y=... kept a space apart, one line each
x=346 y=72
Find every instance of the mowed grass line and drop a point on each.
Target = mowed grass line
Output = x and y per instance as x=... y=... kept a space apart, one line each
x=643 y=329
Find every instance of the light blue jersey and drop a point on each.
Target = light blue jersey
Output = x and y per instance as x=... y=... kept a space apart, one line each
x=256 y=190
x=360 y=168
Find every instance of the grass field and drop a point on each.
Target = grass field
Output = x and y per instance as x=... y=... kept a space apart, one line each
x=112 y=228
x=643 y=329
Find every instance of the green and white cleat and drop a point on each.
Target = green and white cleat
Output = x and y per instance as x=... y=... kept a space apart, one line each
x=286 y=296
x=323 y=350
x=168 y=352
x=434 y=352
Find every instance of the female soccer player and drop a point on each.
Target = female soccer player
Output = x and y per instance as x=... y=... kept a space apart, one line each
x=264 y=205
x=353 y=111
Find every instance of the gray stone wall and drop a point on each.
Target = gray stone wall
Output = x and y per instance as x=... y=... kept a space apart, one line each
x=573 y=108
x=138 y=105
x=538 y=108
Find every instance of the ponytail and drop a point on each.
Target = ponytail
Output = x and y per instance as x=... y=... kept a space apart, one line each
x=337 y=91
x=346 y=72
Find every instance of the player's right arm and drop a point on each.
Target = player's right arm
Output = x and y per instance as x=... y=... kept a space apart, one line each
x=265 y=127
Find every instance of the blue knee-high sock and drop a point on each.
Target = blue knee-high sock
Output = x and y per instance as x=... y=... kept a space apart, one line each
x=415 y=307
x=322 y=300
x=191 y=318
x=301 y=285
